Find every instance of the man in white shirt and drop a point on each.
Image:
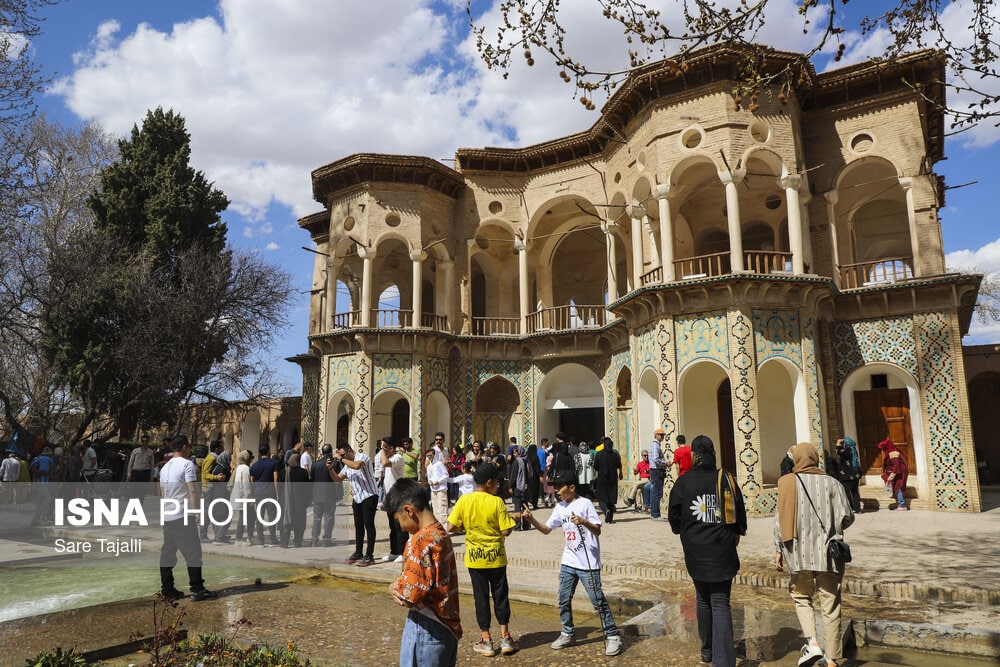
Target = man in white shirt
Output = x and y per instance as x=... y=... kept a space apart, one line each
x=358 y=470
x=438 y=448
x=393 y=467
x=179 y=483
x=89 y=460
x=306 y=460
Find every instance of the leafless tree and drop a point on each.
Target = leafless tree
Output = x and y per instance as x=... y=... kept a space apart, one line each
x=670 y=29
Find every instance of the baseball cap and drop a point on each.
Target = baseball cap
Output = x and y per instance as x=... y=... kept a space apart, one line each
x=659 y=431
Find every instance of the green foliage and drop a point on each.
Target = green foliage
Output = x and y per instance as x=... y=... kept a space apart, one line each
x=57 y=657
x=152 y=198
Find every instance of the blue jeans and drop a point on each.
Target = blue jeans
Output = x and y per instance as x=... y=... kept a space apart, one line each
x=900 y=499
x=656 y=478
x=715 y=622
x=645 y=494
x=568 y=576
x=426 y=642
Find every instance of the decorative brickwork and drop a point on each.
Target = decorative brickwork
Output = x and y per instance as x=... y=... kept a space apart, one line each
x=701 y=336
x=743 y=375
x=865 y=341
x=948 y=460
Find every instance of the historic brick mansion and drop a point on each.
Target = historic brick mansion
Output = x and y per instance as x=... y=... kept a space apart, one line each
x=761 y=277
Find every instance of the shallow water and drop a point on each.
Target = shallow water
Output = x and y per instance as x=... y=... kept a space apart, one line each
x=82 y=582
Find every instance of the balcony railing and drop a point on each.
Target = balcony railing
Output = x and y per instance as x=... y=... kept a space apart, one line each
x=435 y=322
x=567 y=318
x=767 y=261
x=876 y=272
x=496 y=326
x=389 y=318
x=351 y=318
x=651 y=277
x=703 y=266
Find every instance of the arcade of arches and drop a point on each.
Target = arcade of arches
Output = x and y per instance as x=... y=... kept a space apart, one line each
x=762 y=278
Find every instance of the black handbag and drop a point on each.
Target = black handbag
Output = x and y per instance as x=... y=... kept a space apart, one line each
x=837 y=549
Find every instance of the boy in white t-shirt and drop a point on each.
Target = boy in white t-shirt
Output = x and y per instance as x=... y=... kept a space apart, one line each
x=581 y=560
x=466 y=483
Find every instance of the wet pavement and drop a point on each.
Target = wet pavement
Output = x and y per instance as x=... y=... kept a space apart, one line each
x=916 y=576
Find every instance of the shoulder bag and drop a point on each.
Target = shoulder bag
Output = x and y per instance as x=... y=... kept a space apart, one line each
x=836 y=549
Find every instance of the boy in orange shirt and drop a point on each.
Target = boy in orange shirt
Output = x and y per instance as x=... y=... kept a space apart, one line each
x=428 y=585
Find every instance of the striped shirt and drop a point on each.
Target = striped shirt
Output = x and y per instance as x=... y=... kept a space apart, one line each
x=362 y=479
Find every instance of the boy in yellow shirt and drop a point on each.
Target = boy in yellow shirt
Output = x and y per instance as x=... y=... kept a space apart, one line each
x=484 y=517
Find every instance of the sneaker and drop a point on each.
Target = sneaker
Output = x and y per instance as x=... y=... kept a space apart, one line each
x=398 y=559
x=327 y=543
x=203 y=594
x=388 y=558
x=562 y=641
x=614 y=646
x=810 y=655
x=354 y=558
x=507 y=645
x=901 y=508
x=171 y=594
x=659 y=518
x=366 y=561
x=484 y=647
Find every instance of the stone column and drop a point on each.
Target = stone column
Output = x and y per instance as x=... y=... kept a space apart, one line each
x=446 y=291
x=911 y=216
x=522 y=282
x=662 y=194
x=732 y=179
x=791 y=185
x=368 y=256
x=636 y=212
x=332 y=273
x=609 y=234
x=417 y=257
x=831 y=216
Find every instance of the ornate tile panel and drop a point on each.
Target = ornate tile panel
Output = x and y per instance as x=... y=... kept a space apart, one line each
x=393 y=371
x=777 y=335
x=809 y=368
x=943 y=414
x=744 y=381
x=647 y=354
x=701 y=336
x=866 y=341
x=435 y=375
x=362 y=413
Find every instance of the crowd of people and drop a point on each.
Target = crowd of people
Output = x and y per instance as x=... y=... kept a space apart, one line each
x=447 y=490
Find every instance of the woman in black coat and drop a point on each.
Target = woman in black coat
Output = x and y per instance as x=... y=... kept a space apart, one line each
x=706 y=509
x=298 y=496
x=609 y=471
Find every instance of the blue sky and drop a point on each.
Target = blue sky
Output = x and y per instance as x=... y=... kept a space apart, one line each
x=272 y=89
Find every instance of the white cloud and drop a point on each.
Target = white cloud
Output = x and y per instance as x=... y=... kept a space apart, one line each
x=272 y=246
x=985 y=259
x=272 y=89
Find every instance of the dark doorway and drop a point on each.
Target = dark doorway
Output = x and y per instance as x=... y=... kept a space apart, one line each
x=882 y=413
x=582 y=423
x=343 y=431
x=400 y=419
x=727 y=436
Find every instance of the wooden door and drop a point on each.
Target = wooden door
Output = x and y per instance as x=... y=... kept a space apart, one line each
x=882 y=413
x=727 y=436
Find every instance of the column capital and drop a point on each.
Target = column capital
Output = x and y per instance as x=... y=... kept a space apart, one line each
x=636 y=211
x=519 y=245
x=905 y=182
x=610 y=228
x=832 y=196
x=446 y=263
x=418 y=255
x=791 y=181
x=663 y=191
x=733 y=176
x=366 y=253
